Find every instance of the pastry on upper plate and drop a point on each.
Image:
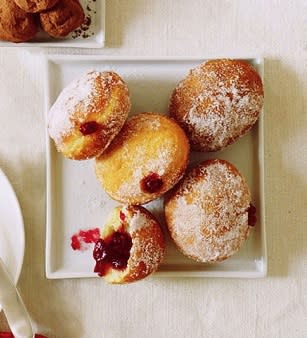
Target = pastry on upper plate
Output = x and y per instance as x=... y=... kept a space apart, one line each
x=146 y=159
x=15 y=24
x=88 y=114
x=209 y=212
x=63 y=18
x=131 y=246
x=218 y=102
x=34 y=6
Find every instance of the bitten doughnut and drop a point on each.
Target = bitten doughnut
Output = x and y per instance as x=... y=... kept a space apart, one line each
x=15 y=24
x=131 y=246
x=147 y=158
x=207 y=214
x=34 y=6
x=218 y=102
x=88 y=114
x=63 y=18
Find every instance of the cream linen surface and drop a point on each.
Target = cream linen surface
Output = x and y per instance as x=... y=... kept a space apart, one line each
x=172 y=308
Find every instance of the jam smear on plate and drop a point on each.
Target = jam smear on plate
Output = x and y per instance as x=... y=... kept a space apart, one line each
x=83 y=237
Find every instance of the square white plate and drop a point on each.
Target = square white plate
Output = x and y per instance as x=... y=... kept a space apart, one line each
x=96 y=31
x=76 y=201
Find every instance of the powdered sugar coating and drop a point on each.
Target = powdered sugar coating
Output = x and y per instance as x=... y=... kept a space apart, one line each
x=76 y=97
x=102 y=97
x=207 y=214
x=218 y=102
x=148 y=245
x=159 y=165
x=138 y=220
x=148 y=143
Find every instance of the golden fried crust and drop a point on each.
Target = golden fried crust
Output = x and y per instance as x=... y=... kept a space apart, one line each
x=218 y=102
x=148 y=244
x=207 y=213
x=96 y=98
x=34 y=6
x=63 y=18
x=149 y=145
x=15 y=24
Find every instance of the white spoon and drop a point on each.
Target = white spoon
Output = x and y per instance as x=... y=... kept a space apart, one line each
x=13 y=306
x=12 y=241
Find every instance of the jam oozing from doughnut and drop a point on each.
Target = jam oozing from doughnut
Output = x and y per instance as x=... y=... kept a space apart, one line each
x=83 y=237
x=151 y=183
x=122 y=216
x=112 y=252
x=88 y=128
x=252 y=219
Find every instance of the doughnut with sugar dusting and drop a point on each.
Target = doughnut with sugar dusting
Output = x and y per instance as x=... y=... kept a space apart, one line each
x=34 y=6
x=146 y=159
x=131 y=246
x=207 y=214
x=218 y=102
x=63 y=18
x=88 y=114
x=15 y=24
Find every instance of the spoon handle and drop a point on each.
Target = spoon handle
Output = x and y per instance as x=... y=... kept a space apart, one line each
x=13 y=306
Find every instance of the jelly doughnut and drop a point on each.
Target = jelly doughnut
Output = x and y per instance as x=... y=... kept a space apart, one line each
x=207 y=214
x=218 y=102
x=146 y=159
x=131 y=246
x=88 y=114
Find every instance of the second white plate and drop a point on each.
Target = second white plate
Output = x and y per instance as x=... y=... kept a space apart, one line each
x=93 y=37
x=76 y=201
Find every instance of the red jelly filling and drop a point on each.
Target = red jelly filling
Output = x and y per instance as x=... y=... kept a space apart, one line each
x=83 y=237
x=151 y=183
x=122 y=216
x=112 y=252
x=88 y=128
x=252 y=219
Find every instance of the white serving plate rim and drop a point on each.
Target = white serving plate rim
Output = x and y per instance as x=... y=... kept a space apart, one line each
x=180 y=272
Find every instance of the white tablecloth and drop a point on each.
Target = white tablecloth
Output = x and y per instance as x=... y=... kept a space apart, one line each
x=272 y=307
